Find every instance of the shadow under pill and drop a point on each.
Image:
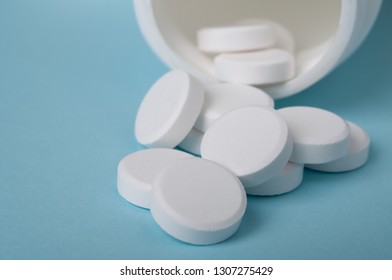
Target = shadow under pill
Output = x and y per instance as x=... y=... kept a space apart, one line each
x=254 y=220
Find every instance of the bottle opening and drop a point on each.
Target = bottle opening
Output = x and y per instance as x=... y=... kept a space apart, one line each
x=313 y=23
x=325 y=32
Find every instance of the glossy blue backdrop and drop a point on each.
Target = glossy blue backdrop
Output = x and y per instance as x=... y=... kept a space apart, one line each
x=72 y=74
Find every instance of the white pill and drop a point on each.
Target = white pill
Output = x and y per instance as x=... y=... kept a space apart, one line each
x=255 y=68
x=253 y=142
x=136 y=173
x=235 y=38
x=286 y=181
x=222 y=98
x=192 y=142
x=283 y=37
x=169 y=110
x=319 y=135
x=198 y=201
x=357 y=155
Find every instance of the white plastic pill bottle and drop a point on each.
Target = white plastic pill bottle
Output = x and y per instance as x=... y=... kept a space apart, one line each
x=326 y=32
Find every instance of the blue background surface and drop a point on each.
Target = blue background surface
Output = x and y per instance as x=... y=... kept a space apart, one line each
x=72 y=74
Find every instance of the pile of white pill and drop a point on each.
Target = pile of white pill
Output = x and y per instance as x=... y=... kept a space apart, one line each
x=245 y=145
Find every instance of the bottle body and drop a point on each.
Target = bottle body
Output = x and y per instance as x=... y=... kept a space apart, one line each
x=325 y=32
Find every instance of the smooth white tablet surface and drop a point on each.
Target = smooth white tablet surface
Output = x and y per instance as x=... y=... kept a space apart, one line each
x=192 y=142
x=255 y=68
x=319 y=135
x=253 y=142
x=136 y=173
x=284 y=39
x=357 y=155
x=169 y=110
x=222 y=98
x=286 y=181
x=236 y=38
x=198 y=201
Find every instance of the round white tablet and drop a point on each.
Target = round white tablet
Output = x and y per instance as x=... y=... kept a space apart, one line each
x=319 y=135
x=235 y=38
x=286 y=181
x=222 y=98
x=283 y=37
x=253 y=142
x=357 y=155
x=192 y=142
x=198 y=201
x=255 y=68
x=136 y=173
x=169 y=110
